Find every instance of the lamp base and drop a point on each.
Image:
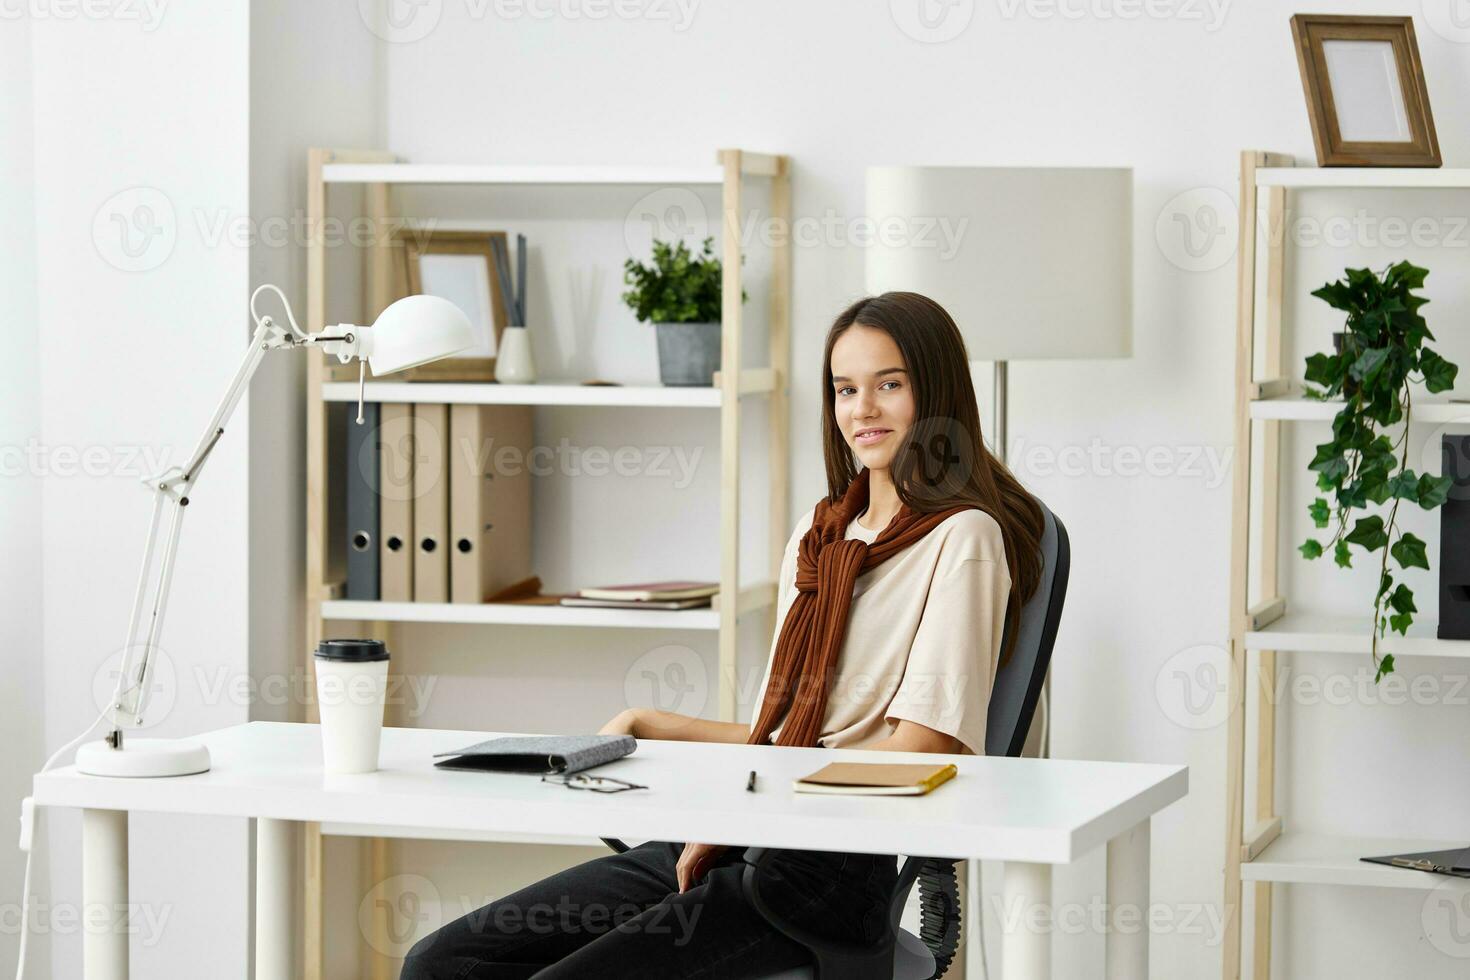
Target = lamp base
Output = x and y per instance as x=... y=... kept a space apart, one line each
x=144 y=758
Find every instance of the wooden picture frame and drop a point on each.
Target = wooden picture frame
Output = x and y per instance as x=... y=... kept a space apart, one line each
x=1375 y=115
x=412 y=247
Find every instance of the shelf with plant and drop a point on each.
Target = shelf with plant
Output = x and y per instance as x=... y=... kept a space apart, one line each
x=1380 y=357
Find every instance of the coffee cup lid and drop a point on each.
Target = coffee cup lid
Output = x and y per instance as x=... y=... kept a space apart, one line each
x=356 y=651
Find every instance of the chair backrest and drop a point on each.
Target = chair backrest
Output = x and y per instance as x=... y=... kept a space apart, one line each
x=1012 y=705
x=1018 y=682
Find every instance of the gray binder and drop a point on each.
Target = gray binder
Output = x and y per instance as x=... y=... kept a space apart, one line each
x=363 y=471
x=545 y=754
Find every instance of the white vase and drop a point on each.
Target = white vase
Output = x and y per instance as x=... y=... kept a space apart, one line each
x=513 y=362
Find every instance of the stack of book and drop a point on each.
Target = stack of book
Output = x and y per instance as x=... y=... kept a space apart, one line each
x=647 y=595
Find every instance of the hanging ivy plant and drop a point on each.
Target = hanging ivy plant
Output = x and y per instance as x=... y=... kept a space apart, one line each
x=1382 y=355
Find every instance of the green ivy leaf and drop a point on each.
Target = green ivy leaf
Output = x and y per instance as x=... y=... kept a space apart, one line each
x=1338 y=295
x=1409 y=552
x=1331 y=470
x=1368 y=534
x=1321 y=514
x=1311 y=548
x=1324 y=369
x=1385 y=667
x=1352 y=496
x=1439 y=374
x=1402 y=600
x=1433 y=491
x=1341 y=555
x=1404 y=485
x=1401 y=622
x=1369 y=364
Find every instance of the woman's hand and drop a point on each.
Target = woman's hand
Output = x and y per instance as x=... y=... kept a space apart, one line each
x=625 y=722
x=695 y=863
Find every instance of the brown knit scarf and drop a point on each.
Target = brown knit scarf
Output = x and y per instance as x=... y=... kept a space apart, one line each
x=827 y=566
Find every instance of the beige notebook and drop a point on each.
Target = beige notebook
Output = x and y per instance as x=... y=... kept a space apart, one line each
x=876 y=778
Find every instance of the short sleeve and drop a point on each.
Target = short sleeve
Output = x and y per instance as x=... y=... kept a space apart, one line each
x=951 y=666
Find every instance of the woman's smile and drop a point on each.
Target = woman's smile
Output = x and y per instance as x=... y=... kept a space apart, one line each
x=870 y=435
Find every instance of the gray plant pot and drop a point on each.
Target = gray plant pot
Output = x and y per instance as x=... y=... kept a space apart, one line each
x=688 y=353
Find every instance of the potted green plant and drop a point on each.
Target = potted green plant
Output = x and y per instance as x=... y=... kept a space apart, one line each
x=1380 y=356
x=680 y=295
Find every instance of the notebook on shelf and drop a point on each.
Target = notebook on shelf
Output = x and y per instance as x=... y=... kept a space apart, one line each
x=694 y=603
x=876 y=778
x=652 y=591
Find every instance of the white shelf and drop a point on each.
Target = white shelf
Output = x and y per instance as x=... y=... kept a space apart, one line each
x=520 y=614
x=1299 y=409
x=1350 y=634
x=1450 y=177
x=550 y=393
x=1320 y=859
x=432 y=173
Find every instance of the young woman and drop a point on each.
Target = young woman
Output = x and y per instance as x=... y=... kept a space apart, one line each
x=894 y=595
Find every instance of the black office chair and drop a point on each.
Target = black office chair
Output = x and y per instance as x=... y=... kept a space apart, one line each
x=900 y=955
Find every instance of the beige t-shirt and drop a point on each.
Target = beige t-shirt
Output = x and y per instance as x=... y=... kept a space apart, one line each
x=923 y=635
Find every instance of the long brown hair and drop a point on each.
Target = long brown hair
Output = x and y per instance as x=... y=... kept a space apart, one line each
x=943 y=463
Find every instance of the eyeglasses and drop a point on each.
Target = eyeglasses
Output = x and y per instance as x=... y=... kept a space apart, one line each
x=597 y=784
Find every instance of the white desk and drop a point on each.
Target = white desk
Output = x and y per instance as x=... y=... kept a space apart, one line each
x=1031 y=814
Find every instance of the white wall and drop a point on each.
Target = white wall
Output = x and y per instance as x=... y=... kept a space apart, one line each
x=171 y=165
x=840 y=86
x=20 y=491
x=141 y=135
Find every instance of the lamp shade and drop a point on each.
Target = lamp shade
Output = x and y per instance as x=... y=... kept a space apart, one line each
x=1032 y=262
x=416 y=330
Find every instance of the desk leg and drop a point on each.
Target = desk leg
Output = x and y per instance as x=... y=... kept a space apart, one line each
x=274 y=842
x=1128 y=905
x=1026 y=946
x=105 y=886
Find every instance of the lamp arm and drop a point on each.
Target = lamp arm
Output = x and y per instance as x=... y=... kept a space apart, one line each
x=346 y=342
x=174 y=484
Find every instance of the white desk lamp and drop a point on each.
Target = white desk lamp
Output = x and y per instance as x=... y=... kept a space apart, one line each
x=1041 y=264
x=412 y=331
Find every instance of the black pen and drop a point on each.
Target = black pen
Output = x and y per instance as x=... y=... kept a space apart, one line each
x=750 y=783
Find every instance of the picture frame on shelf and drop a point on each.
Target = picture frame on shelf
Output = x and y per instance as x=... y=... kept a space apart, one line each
x=457 y=266
x=1365 y=92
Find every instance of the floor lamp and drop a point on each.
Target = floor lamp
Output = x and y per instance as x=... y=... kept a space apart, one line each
x=1032 y=262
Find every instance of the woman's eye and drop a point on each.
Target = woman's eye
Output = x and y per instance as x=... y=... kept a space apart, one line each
x=845 y=391
x=886 y=385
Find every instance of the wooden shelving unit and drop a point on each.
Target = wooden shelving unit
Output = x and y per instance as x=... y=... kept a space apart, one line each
x=1261 y=623
x=375 y=174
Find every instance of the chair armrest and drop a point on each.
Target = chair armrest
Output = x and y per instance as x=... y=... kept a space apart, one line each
x=618 y=847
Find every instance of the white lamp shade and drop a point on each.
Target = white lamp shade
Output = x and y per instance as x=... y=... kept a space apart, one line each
x=416 y=330
x=1031 y=262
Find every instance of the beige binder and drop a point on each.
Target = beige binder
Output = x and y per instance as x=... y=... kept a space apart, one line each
x=430 y=504
x=489 y=499
x=395 y=515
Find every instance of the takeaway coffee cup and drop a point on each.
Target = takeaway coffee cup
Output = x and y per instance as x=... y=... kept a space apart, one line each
x=351 y=681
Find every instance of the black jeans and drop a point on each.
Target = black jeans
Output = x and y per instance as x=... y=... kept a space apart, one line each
x=622 y=916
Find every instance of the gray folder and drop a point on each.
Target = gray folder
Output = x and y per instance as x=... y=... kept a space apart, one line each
x=363 y=472
x=543 y=754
